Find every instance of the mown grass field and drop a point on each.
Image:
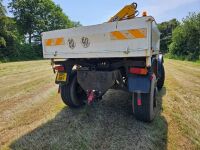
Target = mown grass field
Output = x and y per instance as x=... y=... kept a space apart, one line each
x=32 y=115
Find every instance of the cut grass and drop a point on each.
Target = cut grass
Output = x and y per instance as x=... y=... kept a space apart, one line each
x=183 y=86
x=32 y=115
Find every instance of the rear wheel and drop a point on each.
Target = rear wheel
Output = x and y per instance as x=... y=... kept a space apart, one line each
x=145 y=104
x=161 y=79
x=72 y=94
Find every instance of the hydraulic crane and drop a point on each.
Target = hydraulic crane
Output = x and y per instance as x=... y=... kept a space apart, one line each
x=128 y=12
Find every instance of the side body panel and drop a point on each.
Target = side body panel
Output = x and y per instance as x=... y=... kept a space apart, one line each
x=128 y=38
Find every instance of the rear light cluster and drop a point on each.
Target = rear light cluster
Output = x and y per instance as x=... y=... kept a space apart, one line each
x=59 y=68
x=140 y=71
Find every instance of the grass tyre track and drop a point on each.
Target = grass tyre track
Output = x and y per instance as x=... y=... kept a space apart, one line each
x=33 y=115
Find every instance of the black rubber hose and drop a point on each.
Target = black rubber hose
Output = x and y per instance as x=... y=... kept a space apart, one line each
x=135 y=5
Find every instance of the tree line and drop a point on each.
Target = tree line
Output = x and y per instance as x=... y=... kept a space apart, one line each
x=181 y=40
x=20 y=35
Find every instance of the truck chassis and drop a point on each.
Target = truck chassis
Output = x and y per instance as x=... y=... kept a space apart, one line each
x=89 y=79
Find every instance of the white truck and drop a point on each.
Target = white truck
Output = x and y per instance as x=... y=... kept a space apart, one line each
x=120 y=54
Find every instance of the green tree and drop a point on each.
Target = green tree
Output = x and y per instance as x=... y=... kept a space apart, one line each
x=2 y=9
x=166 y=29
x=2 y=14
x=186 y=38
x=9 y=37
x=36 y=16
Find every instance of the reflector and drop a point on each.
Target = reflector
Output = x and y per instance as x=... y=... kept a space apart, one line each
x=139 y=102
x=59 y=68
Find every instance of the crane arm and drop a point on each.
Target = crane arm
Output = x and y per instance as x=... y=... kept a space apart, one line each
x=128 y=12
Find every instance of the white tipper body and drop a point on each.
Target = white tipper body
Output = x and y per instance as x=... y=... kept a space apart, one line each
x=138 y=37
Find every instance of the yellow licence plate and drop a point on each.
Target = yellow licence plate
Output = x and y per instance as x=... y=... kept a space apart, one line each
x=61 y=76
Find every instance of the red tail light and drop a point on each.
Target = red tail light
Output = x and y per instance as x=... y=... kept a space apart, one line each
x=59 y=68
x=141 y=71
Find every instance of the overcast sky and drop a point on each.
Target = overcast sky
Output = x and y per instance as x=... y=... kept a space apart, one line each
x=90 y=12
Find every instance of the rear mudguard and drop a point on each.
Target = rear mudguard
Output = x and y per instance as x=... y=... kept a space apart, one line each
x=139 y=83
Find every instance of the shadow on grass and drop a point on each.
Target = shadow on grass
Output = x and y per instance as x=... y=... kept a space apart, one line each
x=108 y=124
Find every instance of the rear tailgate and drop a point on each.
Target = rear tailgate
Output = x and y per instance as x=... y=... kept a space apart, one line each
x=128 y=38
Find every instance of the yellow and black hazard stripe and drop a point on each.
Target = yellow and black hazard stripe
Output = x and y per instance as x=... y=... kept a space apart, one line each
x=115 y=35
x=54 y=42
x=128 y=34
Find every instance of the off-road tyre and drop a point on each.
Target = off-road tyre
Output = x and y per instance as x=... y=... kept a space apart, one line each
x=147 y=110
x=161 y=79
x=72 y=94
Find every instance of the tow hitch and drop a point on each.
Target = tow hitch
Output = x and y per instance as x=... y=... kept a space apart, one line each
x=93 y=95
x=90 y=96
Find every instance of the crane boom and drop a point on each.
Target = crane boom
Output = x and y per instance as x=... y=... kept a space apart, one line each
x=128 y=12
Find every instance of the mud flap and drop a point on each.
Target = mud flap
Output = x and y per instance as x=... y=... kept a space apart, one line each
x=138 y=83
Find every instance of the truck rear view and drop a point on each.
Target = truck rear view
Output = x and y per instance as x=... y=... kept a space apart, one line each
x=120 y=54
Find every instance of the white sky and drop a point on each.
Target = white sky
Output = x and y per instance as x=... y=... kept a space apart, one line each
x=90 y=12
